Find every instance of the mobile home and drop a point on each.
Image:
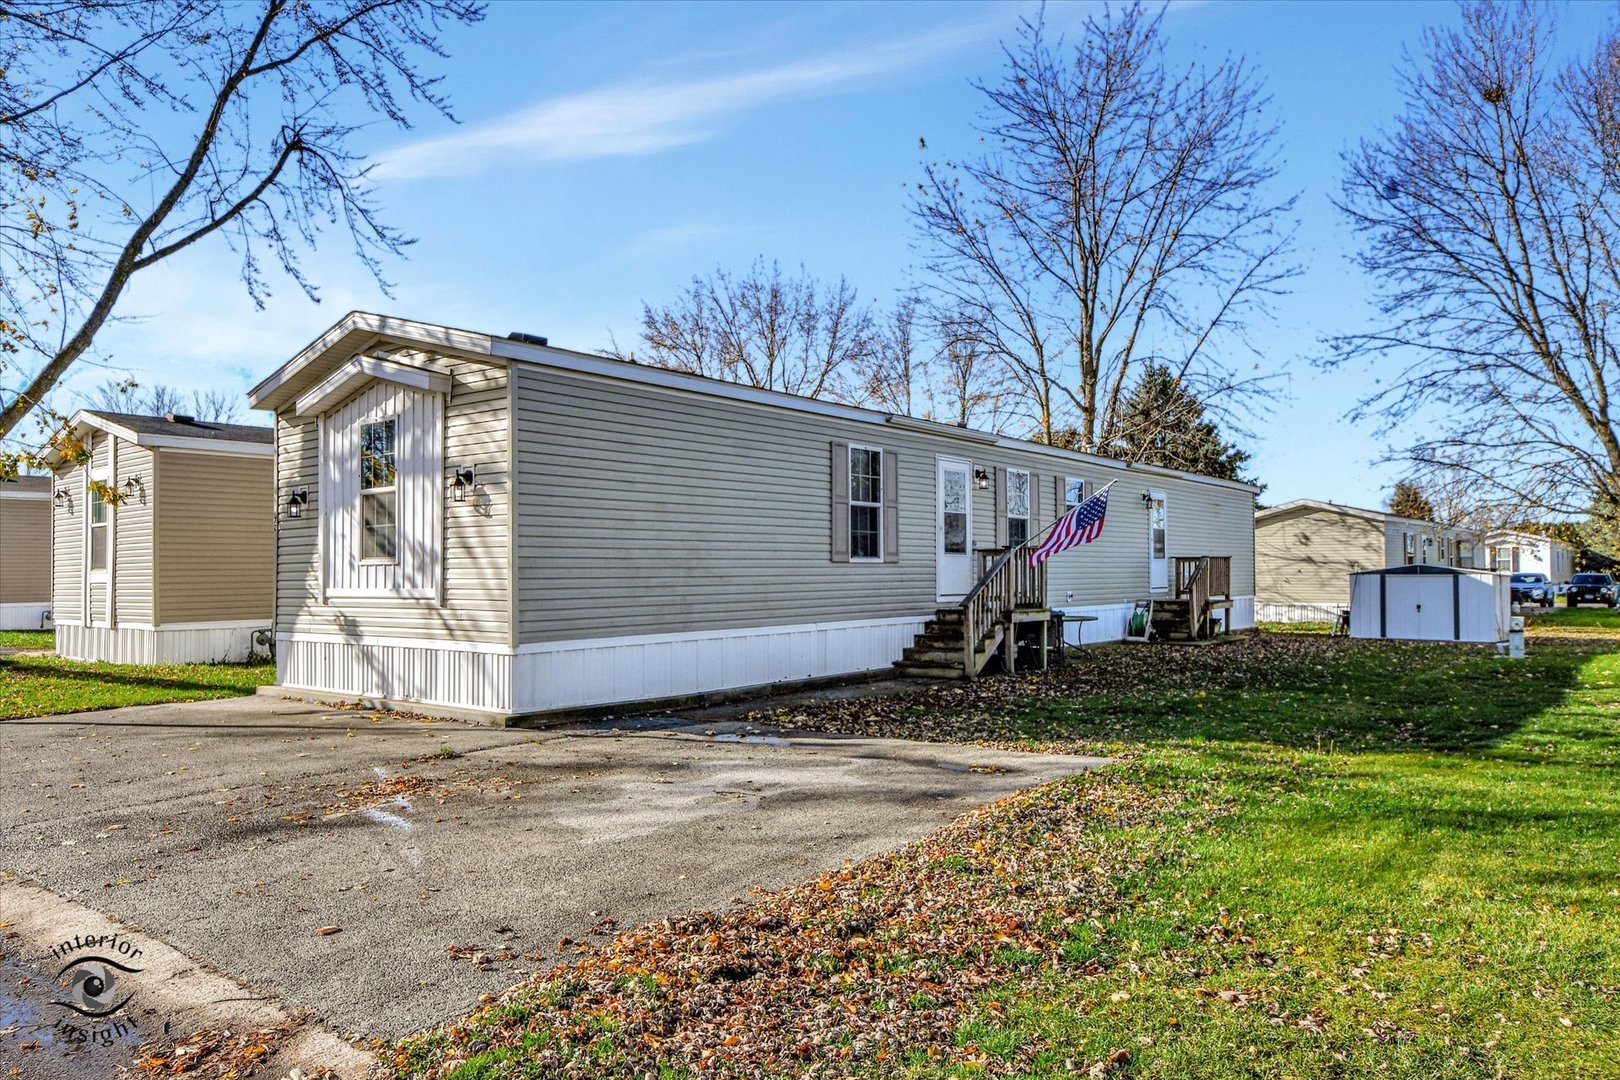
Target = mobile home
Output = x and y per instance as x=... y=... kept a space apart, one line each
x=1306 y=550
x=25 y=553
x=500 y=527
x=1520 y=552
x=165 y=541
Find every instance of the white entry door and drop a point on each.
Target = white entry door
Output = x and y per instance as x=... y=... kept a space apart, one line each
x=1158 y=543
x=954 y=556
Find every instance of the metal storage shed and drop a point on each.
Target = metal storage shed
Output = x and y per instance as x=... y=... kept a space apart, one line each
x=1429 y=603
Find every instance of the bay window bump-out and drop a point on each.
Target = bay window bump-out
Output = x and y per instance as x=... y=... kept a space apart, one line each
x=382 y=486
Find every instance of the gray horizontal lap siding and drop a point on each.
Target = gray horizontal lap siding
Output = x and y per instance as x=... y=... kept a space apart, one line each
x=476 y=553
x=646 y=511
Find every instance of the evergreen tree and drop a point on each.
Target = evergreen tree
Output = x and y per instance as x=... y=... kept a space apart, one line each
x=1163 y=423
x=1408 y=500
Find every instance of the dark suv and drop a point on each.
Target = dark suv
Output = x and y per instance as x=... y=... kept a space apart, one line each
x=1531 y=589
x=1591 y=589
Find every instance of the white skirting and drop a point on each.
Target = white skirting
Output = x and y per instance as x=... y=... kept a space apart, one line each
x=1273 y=611
x=193 y=644
x=600 y=671
x=1111 y=620
x=30 y=616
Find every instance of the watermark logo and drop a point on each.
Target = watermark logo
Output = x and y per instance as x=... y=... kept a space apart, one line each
x=94 y=983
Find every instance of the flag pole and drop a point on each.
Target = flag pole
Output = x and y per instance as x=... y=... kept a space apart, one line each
x=1054 y=522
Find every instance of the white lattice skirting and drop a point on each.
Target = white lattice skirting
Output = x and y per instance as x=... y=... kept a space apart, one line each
x=192 y=644
x=30 y=616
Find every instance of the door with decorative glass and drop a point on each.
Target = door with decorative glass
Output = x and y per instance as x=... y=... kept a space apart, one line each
x=954 y=557
x=1158 y=543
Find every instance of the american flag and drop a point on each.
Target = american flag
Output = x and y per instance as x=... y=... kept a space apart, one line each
x=1081 y=525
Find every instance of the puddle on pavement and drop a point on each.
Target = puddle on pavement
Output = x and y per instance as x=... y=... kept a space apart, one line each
x=32 y=1041
x=756 y=740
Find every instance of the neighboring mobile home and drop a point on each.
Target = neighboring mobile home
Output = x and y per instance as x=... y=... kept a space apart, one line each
x=25 y=553
x=501 y=527
x=1528 y=553
x=179 y=566
x=1306 y=550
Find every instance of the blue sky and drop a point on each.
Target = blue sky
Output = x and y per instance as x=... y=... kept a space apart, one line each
x=608 y=152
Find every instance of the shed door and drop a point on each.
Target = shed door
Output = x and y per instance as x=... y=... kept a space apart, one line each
x=1418 y=607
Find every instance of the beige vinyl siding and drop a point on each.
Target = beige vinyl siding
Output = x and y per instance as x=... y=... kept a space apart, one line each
x=476 y=583
x=215 y=537
x=67 y=541
x=25 y=540
x=644 y=510
x=1395 y=533
x=1307 y=557
x=132 y=535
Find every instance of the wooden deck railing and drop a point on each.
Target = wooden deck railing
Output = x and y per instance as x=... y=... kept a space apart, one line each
x=1010 y=583
x=1200 y=580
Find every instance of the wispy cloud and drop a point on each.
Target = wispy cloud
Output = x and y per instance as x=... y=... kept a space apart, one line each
x=638 y=118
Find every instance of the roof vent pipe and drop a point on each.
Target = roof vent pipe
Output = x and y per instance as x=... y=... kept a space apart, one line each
x=179 y=418
x=527 y=339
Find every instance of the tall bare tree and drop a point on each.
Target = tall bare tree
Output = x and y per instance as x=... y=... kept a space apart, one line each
x=896 y=376
x=129 y=396
x=969 y=387
x=1121 y=213
x=1488 y=213
x=130 y=131
x=765 y=329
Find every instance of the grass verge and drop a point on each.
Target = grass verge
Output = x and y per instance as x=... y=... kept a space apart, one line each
x=1318 y=857
x=27 y=639
x=49 y=685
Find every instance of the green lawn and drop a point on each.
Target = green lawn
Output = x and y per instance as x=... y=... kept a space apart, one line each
x=1418 y=874
x=27 y=639
x=1317 y=858
x=47 y=685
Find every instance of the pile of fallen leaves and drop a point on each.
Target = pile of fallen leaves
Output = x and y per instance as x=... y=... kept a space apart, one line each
x=219 y=1053
x=991 y=711
x=864 y=968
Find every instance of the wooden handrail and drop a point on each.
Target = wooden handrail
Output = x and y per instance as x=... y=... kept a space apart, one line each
x=1198 y=581
x=1010 y=583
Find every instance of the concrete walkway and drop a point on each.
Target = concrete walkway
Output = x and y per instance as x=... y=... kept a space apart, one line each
x=451 y=858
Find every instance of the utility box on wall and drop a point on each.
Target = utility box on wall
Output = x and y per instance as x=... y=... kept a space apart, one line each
x=1429 y=603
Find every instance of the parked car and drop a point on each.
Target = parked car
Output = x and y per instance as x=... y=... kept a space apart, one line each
x=1591 y=589
x=1531 y=589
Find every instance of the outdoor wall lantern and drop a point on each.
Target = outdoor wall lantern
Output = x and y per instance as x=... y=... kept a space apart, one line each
x=465 y=479
x=61 y=497
x=981 y=477
x=297 y=501
x=132 y=485
x=1147 y=498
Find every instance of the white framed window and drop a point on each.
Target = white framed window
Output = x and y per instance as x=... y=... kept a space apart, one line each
x=1074 y=492
x=379 y=496
x=1409 y=543
x=865 y=504
x=1017 y=506
x=100 y=545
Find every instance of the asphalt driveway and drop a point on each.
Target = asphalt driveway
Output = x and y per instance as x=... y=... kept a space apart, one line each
x=451 y=858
